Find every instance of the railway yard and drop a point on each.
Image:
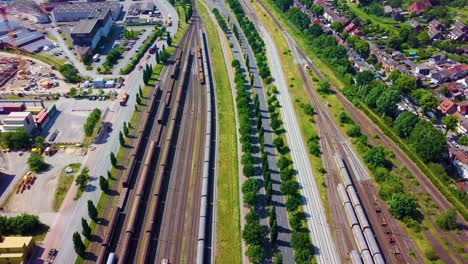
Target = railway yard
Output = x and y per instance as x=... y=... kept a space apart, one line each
x=160 y=208
x=159 y=148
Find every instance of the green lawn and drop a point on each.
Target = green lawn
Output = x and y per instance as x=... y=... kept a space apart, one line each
x=228 y=240
x=65 y=180
x=387 y=23
x=462 y=12
x=67 y=40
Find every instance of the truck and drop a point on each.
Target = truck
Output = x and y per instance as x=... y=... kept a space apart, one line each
x=124 y=99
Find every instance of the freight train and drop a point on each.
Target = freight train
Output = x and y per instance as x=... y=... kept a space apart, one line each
x=363 y=234
x=200 y=60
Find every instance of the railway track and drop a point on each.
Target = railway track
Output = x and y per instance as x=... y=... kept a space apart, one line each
x=159 y=207
x=332 y=141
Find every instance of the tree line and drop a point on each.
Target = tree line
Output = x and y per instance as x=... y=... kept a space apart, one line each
x=23 y=224
x=91 y=122
x=222 y=23
x=253 y=37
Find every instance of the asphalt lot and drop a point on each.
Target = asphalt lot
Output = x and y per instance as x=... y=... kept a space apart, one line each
x=69 y=119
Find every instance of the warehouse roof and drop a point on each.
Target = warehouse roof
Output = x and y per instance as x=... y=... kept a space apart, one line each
x=23 y=36
x=85 y=26
x=85 y=6
x=36 y=45
x=3 y=28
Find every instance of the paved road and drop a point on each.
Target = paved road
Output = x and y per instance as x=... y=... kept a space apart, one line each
x=325 y=250
x=69 y=219
x=284 y=235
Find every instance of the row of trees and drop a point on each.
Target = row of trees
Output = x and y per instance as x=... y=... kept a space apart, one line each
x=147 y=72
x=91 y=122
x=78 y=243
x=222 y=23
x=23 y=224
x=113 y=56
x=253 y=37
x=253 y=233
x=70 y=73
x=157 y=32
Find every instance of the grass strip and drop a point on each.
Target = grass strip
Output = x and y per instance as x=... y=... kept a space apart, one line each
x=65 y=180
x=228 y=239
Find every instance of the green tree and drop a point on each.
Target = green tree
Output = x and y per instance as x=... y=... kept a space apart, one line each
x=405 y=83
x=289 y=187
x=250 y=185
x=125 y=129
x=17 y=139
x=428 y=142
x=354 y=131
x=92 y=211
x=450 y=122
x=387 y=102
x=448 y=220
x=86 y=228
x=337 y=26
x=274 y=231
x=278 y=143
x=168 y=39
x=138 y=100
x=375 y=157
x=103 y=184
x=364 y=77
x=39 y=142
x=78 y=244
x=463 y=140
x=73 y=92
x=405 y=123
x=253 y=233
x=255 y=253
x=402 y=205
x=278 y=258
x=423 y=38
x=389 y=187
x=249 y=170
x=121 y=139
x=82 y=179
x=323 y=87
x=318 y=10
x=113 y=159
x=250 y=199
x=428 y=102
x=36 y=163
x=293 y=203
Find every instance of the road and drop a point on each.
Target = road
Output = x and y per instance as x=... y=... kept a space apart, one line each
x=239 y=48
x=98 y=162
x=325 y=249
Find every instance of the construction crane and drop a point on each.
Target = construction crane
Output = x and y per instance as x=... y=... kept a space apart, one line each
x=11 y=35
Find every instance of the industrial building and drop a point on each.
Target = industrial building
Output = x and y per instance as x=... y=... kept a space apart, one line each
x=19 y=120
x=87 y=33
x=15 y=250
x=75 y=11
x=28 y=41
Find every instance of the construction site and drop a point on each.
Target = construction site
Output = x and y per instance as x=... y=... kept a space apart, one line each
x=35 y=76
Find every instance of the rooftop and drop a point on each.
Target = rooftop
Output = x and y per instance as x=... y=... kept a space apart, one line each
x=15 y=242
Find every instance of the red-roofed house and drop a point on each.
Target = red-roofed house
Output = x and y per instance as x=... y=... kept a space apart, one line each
x=457 y=72
x=463 y=109
x=458 y=115
x=349 y=28
x=418 y=7
x=448 y=107
x=460 y=160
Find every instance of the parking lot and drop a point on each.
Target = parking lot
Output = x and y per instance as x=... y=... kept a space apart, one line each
x=68 y=122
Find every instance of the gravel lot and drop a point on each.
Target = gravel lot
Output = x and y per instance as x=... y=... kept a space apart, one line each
x=39 y=199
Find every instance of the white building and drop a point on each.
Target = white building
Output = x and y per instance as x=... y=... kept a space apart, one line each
x=19 y=120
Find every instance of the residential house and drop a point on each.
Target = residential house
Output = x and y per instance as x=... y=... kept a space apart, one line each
x=438 y=59
x=460 y=161
x=388 y=10
x=416 y=25
x=439 y=77
x=459 y=32
x=436 y=25
x=463 y=127
x=447 y=107
x=459 y=116
x=422 y=70
x=419 y=7
x=353 y=30
x=457 y=72
x=463 y=109
x=435 y=34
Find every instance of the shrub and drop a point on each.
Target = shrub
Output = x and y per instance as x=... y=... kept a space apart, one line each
x=36 y=163
x=447 y=220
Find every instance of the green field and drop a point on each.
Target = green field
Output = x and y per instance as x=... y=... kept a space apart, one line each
x=228 y=240
x=387 y=23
